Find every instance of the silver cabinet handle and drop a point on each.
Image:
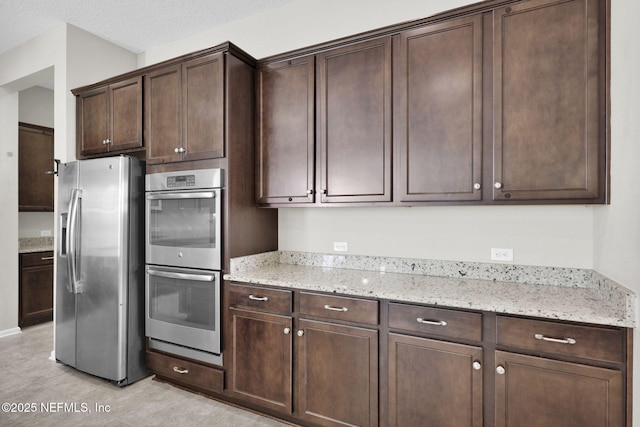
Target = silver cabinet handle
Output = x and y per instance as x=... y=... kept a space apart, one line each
x=255 y=298
x=431 y=322
x=500 y=370
x=556 y=340
x=47 y=258
x=182 y=150
x=309 y=191
x=300 y=333
x=477 y=186
x=324 y=191
x=287 y=331
x=476 y=365
x=332 y=308
x=498 y=185
x=176 y=150
x=181 y=371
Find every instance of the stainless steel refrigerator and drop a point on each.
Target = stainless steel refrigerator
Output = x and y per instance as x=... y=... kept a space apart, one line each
x=99 y=310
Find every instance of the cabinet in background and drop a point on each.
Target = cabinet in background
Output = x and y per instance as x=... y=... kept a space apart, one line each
x=36 y=288
x=286 y=132
x=438 y=111
x=35 y=159
x=109 y=118
x=261 y=339
x=432 y=381
x=349 y=158
x=354 y=122
x=549 y=106
x=572 y=374
x=184 y=110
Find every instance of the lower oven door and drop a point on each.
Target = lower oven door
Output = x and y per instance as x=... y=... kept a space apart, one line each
x=183 y=307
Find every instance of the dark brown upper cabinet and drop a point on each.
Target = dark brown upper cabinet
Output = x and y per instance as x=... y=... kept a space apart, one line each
x=549 y=109
x=286 y=131
x=354 y=122
x=184 y=111
x=35 y=159
x=324 y=127
x=109 y=118
x=438 y=111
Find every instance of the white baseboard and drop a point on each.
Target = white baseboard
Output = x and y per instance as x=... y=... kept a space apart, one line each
x=11 y=331
x=53 y=355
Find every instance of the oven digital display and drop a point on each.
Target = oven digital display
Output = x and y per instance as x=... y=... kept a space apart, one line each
x=181 y=181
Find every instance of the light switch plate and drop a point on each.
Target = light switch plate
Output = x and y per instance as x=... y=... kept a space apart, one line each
x=340 y=246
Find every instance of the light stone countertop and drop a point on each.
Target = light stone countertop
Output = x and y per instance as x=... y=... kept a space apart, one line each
x=35 y=244
x=584 y=302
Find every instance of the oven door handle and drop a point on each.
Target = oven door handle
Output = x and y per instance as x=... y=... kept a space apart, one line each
x=182 y=276
x=178 y=195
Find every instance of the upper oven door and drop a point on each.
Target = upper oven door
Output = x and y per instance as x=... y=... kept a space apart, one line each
x=183 y=228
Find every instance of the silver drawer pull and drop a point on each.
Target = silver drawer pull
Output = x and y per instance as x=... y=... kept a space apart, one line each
x=47 y=258
x=557 y=340
x=180 y=370
x=255 y=298
x=431 y=322
x=329 y=307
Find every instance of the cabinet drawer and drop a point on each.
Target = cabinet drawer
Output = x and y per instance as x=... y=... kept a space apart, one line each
x=339 y=308
x=185 y=372
x=437 y=321
x=36 y=258
x=592 y=342
x=255 y=297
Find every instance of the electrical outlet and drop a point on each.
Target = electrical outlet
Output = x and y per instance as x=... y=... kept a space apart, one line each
x=340 y=246
x=45 y=233
x=501 y=254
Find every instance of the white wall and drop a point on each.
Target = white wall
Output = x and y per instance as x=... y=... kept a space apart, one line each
x=35 y=106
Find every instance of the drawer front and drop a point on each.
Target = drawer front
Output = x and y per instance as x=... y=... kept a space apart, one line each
x=339 y=308
x=185 y=372
x=591 y=342
x=36 y=258
x=265 y=299
x=436 y=321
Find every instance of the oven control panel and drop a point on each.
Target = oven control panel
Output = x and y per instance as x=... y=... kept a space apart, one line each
x=179 y=181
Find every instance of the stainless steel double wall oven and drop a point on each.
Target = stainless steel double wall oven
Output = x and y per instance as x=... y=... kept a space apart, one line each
x=183 y=262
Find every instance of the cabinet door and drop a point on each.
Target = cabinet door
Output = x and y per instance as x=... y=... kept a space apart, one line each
x=438 y=111
x=163 y=125
x=539 y=392
x=92 y=125
x=337 y=374
x=126 y=114
x=203 y=107
x=434 y=383
x=285 y=128
x=354 y=122
x=35 y=158
x=548 y=78
x=262 y=363
x=36 y=288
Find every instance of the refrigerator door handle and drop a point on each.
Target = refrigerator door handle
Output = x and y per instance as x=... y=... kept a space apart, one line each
x=182 y=276
x=72 y=221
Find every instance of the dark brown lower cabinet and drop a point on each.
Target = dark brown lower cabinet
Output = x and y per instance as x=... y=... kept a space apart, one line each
x=338 y=374
x=262 y=358
x=36 y=288
x=537 y=392
x=434 y=383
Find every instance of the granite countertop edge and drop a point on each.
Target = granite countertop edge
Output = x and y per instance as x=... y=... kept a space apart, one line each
x=35 y=244
x=584 y=303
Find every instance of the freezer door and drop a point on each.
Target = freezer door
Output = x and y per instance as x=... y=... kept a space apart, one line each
x=102 y=272
x=65 y=310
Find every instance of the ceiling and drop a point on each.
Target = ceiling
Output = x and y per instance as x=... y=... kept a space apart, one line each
x=136 y=25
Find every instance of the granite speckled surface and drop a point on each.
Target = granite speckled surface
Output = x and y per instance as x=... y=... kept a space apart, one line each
x=35 y=244
x=556 y=293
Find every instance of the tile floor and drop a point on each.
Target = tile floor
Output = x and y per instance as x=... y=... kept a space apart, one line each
x=29 y=377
